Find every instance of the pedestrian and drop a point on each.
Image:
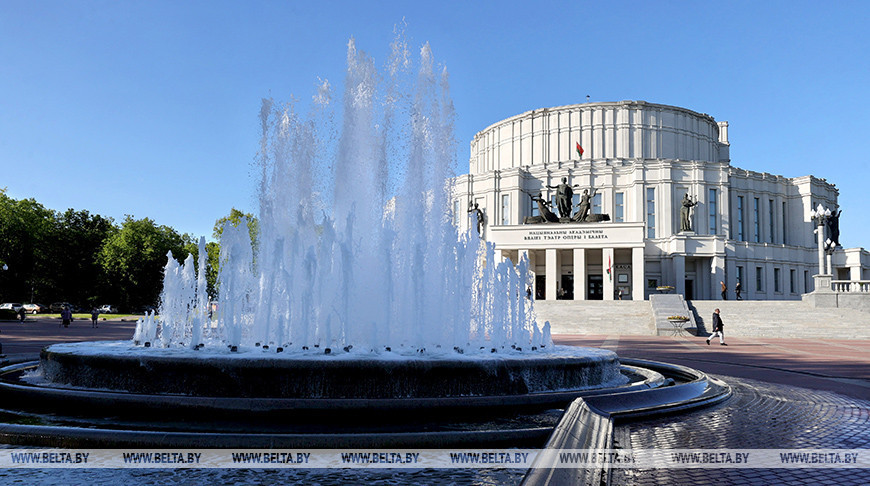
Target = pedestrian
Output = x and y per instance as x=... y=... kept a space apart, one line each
x=737 y=289
x=724 y=291
x=95 y=313
x=718 y=329
x=21 y=315
x=529 y=292
x=66 y=317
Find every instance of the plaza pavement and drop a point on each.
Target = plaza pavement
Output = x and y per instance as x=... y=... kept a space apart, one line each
x=787 y=393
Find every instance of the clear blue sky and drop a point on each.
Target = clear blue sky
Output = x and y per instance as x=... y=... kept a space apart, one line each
x=150 y=108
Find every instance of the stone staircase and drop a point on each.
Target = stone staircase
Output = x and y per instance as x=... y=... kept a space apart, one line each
x=783 y=319
x=744 y=318
x=666 y=305
x=596 y=316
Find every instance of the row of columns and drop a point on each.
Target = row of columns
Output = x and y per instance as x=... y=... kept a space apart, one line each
x=553 y=266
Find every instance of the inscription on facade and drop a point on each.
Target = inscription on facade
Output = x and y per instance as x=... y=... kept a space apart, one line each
x=565 y=235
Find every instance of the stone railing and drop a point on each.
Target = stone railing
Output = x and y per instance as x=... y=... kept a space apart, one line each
x=851 y=286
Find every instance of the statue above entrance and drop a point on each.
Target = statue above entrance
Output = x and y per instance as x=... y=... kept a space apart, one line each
x=546 y=216
x=564 y=197
x=564 y=200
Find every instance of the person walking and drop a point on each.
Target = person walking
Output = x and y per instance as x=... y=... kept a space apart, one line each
x=21 y=315
x=737 y=289
x=724 y=291
x=66 y=317
x=718 y=329
x=95 y=314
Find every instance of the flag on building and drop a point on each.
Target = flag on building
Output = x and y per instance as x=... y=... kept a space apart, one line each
x=609 y=266
x=579 y=150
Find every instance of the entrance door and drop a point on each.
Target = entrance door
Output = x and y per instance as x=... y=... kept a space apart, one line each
x=595 y=287
x=568 y=287
x=690 y=289
x=540 y=287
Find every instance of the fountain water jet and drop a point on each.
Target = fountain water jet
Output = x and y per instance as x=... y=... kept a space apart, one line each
x=369 y=289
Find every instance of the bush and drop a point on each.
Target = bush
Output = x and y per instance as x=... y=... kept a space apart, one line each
x=8 y=314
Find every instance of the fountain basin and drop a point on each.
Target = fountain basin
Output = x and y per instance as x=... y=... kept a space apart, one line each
x=259 y=373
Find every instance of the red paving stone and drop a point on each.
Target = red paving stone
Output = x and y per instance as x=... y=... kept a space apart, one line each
x=841 y=366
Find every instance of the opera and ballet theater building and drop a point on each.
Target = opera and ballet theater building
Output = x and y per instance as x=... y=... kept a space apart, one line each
x=627 y=199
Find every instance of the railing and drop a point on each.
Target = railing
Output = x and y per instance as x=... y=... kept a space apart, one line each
x=851 y=286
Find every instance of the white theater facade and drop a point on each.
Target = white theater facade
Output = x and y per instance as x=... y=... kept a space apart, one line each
x=641 y=159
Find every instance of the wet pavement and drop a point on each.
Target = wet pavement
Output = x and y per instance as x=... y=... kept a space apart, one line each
x=787 y=394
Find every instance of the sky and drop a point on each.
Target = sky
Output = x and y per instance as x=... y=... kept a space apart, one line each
x=150 y=108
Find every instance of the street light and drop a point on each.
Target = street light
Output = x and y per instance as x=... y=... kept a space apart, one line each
x=821 y=215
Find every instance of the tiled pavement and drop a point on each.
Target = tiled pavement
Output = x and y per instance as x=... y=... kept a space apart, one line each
x=758 y=416
x=788 y=394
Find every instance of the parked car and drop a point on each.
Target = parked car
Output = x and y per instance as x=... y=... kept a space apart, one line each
x=107 y=309
x=35 y=308
x=11 y=306
x=59 y=306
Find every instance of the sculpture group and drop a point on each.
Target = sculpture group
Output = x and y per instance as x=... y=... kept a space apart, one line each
x=565 y=206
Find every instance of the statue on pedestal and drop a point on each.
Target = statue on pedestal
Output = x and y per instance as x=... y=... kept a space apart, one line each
x=582 y=214
x=478 y=213
x=833 y=227
x=564 y=198
x=686 y=213
x=546 y=216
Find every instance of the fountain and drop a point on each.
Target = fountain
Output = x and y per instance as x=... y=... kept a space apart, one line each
x=359 y=293
x=367 y=292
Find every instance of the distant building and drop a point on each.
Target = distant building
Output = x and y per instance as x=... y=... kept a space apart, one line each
x=642 y=159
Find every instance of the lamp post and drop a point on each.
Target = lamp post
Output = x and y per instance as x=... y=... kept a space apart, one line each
x=821 y=215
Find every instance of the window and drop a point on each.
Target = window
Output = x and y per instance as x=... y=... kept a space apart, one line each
x=784 y=226
x=596 y=204
x=759 y=273
x=505 y=209
x=650 y=212
x=806 y=281
x=757 y=212
x=777 y=286
x=711 y=206
x=771 y=221
x=534 y=211
x=741 y=225
x=619 y=207
x=792 y=281
x=740 y=277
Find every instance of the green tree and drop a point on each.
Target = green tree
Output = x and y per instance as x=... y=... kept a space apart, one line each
x=80 y=235
x=133 y=258
x=235 y=218
x=26 y=239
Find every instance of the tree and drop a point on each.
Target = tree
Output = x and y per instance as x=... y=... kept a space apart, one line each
x=235 y=218
x=133 y=259
x=80 y=235
x=26 y=238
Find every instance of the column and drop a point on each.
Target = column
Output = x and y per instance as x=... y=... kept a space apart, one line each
x=679 y=263
x=607 y=263
x=579 y=274
x=855 y=273
x=638 y=274
x=718 y=272
x=552 y=273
